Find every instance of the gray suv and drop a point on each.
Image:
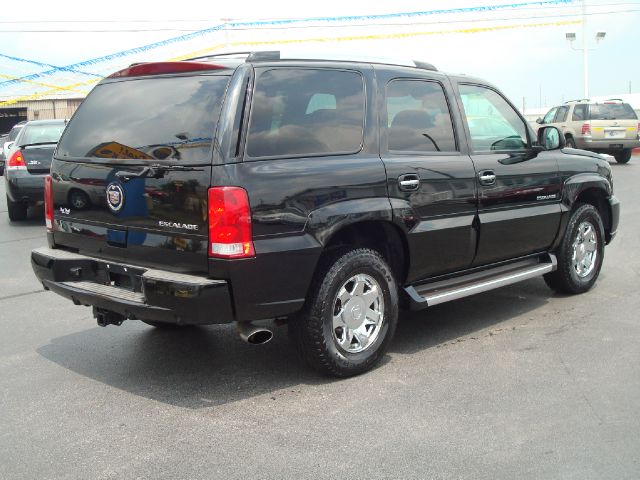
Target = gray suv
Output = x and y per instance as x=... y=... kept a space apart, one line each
x=609 y=127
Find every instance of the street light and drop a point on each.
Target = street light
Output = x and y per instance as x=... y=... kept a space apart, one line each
x=571 y=37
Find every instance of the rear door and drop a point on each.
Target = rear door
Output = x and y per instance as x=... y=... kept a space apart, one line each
x=427 y=173
x=132 y=170
x=519 y=191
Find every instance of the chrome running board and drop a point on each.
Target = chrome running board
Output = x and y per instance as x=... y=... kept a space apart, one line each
x=429 y=294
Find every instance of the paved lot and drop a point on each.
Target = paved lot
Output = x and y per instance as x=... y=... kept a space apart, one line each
x=517 y=383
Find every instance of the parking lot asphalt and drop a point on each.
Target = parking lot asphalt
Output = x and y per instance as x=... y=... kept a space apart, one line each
x=516 y=383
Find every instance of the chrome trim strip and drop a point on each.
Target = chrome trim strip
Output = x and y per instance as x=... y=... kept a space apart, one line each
x=149 y=273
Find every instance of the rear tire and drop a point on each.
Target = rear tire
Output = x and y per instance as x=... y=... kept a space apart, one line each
x=623 y=156
x=571 y=143
x=580 y=254
x=17 y=211
x=350 y=315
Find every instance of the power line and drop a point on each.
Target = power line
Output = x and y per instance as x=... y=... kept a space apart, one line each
x=301 y=27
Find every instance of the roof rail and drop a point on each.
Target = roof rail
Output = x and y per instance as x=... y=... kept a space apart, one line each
x=276 y=55
x=578 y=100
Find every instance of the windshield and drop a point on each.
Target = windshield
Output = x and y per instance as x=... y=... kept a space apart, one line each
x=166 y=118
x=612 y=111
x=40 y=133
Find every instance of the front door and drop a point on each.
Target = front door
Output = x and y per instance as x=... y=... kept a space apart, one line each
x=518 y=190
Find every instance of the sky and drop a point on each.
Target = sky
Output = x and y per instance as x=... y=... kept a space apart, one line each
x=521 y=49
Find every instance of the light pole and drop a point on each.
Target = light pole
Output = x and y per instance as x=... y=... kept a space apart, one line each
x=571 y=37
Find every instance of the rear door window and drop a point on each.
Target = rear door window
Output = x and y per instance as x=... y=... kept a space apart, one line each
x=297 y=111
x=148 y=119
x=418 y=117
x=579 y=113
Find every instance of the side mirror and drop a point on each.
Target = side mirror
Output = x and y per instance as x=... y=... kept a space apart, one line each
x=551 y=138
x=539 y=120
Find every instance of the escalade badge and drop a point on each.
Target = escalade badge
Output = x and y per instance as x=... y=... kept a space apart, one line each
x=115 y=197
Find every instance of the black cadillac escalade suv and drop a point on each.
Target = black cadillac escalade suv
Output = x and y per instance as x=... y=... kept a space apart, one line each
x=325 y=193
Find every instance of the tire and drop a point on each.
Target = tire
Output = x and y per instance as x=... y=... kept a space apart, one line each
x=347 y=279
x=17 y=211
x=571 y=143
x=572 y=276
x=623 y=156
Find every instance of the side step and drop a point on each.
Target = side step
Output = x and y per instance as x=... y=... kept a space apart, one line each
x=429 y=294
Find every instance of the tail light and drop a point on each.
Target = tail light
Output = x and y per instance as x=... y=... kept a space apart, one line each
x=586 y=129
x=230 y=233
x=16 y=161
x=48 y=202
x=638 y=131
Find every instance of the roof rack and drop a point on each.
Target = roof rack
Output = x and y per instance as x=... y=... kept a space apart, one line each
x=276 y=55
x=578 y=100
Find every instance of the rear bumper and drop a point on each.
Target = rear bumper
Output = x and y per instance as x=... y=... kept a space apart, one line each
x=25 y=187
x=605 y=145
x=150 y=294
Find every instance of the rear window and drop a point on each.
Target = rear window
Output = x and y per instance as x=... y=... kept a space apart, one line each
x=43 y=133
x=306 y=111
x=612 y=111
x=162 y=118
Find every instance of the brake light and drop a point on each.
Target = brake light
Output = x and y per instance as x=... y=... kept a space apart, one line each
x=158 y=68
x=230 y=233
x=48 y=202
x=586 y=129
x=16 y=161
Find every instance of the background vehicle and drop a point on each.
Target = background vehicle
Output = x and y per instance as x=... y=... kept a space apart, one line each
x=610 y=127
x=28 y=163
x=2 y=158
x=6 y=142
x=328 y=193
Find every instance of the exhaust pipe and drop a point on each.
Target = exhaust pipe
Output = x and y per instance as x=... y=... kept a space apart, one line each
x=253 y=334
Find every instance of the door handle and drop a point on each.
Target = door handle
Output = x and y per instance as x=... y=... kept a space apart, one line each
x=487 y=177
x=409 y=182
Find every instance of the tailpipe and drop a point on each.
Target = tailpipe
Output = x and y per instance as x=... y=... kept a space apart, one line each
x=254 y=334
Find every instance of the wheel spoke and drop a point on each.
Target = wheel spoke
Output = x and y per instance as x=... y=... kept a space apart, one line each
x=590 y=246
x=338 y=320
x=361 y=338
x=372 y=316
x=344 y=295
x=370 y=296
x=358 y=288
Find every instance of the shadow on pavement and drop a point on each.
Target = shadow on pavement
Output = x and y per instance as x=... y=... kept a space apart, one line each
x=201 y=367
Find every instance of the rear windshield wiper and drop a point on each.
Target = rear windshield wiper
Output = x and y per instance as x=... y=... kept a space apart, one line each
x=154 y=171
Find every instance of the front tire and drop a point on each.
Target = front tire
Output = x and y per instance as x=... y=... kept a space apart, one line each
x=17 y=211
x=623 y=156
x=580 y=254
x=350 y=315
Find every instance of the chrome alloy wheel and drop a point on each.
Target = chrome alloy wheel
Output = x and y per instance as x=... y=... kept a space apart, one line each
x=585 y=250
x=358 y=313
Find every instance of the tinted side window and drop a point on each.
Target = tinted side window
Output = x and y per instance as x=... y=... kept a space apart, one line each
x=561 y=116
x=418 y=117
x=306 y=111
x=493 y=123
x=548 y=118
x=579 y=113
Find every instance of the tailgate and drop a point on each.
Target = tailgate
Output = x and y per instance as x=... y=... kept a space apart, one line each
x=159 y=222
